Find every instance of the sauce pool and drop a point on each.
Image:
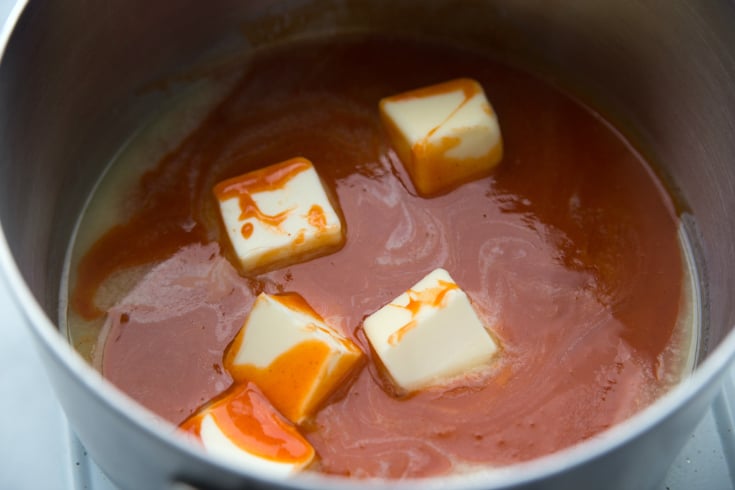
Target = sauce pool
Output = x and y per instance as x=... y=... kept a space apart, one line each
x=569 y=249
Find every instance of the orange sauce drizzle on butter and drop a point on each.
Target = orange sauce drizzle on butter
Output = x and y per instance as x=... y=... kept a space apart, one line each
x=432 y=297
x=440 y=167
x=266 y=179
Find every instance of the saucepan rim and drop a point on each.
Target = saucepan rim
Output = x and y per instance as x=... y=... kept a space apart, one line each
x=49 y=337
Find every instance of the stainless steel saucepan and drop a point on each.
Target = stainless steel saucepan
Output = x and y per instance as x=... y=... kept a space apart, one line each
x=70 y=92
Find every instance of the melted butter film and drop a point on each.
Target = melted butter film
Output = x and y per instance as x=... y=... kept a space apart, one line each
x=569 y=248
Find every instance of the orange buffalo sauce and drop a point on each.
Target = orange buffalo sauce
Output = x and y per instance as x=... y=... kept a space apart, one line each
x=316 y=218
x=570 y=247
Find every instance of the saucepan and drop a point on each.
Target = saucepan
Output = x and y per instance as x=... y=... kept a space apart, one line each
x=76 y=78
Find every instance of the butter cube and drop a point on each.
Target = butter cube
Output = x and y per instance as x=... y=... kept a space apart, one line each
x=291 y=354
x=278 y=214
x=445 y=134
x=243 y=428
x=429 y=334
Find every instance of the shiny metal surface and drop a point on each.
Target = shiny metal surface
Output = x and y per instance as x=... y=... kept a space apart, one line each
x=70 y=93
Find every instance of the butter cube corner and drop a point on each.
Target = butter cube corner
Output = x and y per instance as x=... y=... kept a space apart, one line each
x=288 y=350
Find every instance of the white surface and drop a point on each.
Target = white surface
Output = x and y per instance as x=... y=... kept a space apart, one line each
x=34 y=448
